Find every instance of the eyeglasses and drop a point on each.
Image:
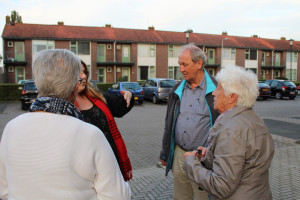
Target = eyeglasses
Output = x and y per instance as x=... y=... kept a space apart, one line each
x=80 y=80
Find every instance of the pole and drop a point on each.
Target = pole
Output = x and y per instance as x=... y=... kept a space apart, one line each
x=222 y=52
x=291 y=64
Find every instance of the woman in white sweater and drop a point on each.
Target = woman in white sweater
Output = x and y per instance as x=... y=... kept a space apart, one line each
x=50 y=153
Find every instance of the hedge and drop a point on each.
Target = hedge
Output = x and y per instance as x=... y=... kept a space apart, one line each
x=10 y=92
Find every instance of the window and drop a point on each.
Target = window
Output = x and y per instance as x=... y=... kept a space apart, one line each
x=101 y=75
x=250 y=54
x=126 y=53
x=80 y=48
x=211 y=56
x=254 y=70
x=19 y=51
x=263 y=74
x=233 y=52
x=101 y=53
x=174 y=72
x=39 y=45
x=171 y=50
x=263 y=55
x=295 y=57
x=229 y=54
x=294 y=74
x=277 y=73
x=152 y=50
x=211 y=71
x=20 y=73
x=277 y=59
x=146 y=72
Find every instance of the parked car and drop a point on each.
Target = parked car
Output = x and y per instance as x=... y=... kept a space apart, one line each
x=94 y=83
x=158 y=89
x=282 y=88
x=28 y=95
x=264 y=90
x=133 y=87
x=298 y=89
x=23 y=81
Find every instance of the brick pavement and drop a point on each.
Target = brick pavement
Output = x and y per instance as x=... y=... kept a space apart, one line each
x=142 y=130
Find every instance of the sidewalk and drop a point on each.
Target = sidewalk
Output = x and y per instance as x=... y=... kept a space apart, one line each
x=151 y=183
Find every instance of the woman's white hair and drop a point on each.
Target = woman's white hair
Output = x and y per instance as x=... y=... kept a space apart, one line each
x=56 y=72
x=237 y=80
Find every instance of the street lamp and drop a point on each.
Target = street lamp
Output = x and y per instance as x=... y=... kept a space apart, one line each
x=187 y=35
x=222 y=51
x=291 y=44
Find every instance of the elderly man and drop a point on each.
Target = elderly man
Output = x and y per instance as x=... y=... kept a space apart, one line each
x=50 y=153
x=235 y=165
x=190 y=114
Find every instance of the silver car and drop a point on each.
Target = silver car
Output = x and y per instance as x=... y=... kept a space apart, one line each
x=158 y=89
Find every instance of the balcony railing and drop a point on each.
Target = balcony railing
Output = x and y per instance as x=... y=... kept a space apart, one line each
x=119 y=61
x=13 y=61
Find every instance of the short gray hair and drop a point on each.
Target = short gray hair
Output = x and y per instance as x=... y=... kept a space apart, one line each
x=196 y=53
x=237 y=80
x=56 y=72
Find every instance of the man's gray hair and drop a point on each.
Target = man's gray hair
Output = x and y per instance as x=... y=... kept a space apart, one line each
x=196 y=53
x=237 y=80
x=56 y=72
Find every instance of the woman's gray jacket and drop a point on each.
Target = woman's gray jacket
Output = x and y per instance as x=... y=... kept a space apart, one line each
x=237 y=162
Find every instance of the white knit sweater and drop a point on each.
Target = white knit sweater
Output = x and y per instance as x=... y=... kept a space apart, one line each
x=52 y=156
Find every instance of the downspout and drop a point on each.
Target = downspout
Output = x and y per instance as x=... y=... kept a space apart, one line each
x=272 y=64
x=115 y=67
x=3 y=78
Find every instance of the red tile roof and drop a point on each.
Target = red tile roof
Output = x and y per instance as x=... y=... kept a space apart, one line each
x=63 y=32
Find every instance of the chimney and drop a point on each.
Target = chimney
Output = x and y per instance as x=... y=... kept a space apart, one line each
x=60 y=23
x=151 y=28
x=7 y=19
x=107 y=25
x=224 y=33
x=282 y=38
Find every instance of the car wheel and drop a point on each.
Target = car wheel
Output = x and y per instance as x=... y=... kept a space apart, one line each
x=265 y=98
x=141 y=102
x=23 y=106
x=278 y=95
x=154 y=99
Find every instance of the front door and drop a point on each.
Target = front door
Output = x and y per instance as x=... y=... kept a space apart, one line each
x=125 y=74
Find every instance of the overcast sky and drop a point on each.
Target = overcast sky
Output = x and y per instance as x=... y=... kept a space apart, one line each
x=265 y=18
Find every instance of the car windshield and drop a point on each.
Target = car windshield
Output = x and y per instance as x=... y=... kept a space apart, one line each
x=131 y=86
x=263 y=85
x=167 y=83
x=290 y=84
x=30 y=86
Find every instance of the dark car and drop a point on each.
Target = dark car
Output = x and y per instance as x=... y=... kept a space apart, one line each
x=28 y=95
x=158 y=89
x=283 y=88
x=133 y=87
x=264 y=90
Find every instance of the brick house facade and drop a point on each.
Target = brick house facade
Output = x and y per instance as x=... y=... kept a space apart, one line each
x=114 y=54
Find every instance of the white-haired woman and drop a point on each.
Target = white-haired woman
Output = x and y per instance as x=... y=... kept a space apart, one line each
x=50 y=153
x=235 y=164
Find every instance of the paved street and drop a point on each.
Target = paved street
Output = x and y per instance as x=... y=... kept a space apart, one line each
x=142 y=130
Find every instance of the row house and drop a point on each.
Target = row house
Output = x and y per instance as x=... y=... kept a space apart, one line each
x=114 y=54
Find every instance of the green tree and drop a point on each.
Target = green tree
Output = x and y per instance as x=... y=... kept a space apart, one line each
x=15 y=17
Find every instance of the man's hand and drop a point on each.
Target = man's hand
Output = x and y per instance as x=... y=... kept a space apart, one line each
x=190 y=153
x=127 y=96
x=164 y=163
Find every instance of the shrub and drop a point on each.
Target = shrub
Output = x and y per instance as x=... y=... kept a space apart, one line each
x=10 y=92
x=104 y=86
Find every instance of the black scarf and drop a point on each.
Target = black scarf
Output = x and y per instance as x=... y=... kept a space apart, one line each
x=56 y=106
